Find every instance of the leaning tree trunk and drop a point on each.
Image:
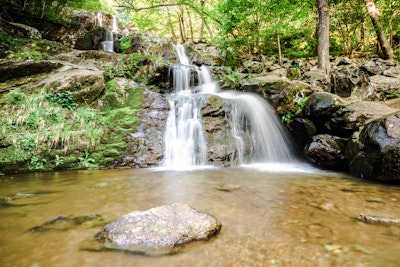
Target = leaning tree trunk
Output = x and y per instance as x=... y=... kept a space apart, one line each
x=383 y=41
x=323 y=36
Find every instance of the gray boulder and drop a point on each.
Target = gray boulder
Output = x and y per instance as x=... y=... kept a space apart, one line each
x=85 y=83
x=375 y=152
x=317 y=77
x=354 y=116
x=327 y=151
x=377 y=66
x=322 y=104
x=159 y=230
x=385 y=87
x=349 y=80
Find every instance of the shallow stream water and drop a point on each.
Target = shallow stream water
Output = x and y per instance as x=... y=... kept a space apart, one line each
x=275 y=218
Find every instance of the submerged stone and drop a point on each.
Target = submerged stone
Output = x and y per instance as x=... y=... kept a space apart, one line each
x=64 y=223
x=159 y=230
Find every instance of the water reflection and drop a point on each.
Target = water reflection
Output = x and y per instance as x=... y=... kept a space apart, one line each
x=273 y=218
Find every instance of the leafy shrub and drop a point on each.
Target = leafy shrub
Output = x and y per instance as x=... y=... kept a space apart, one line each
x=65 y=99
x=125 y=43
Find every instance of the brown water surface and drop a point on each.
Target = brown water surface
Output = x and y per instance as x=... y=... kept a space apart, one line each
x=273 y=219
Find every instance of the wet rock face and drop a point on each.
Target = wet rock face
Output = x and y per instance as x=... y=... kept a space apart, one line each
x=159 y=230
x=302 y=130
x=146 y=144
x=377 y=150
x=327 y=151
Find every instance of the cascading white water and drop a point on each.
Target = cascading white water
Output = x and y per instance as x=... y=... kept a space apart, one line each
x=114 y=24
x=256 y=130
x=99 y=19
x=108 y=44
x=185 y=144
x=257 y=133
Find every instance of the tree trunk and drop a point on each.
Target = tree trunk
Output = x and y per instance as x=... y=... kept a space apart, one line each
x=323 y=35
x=383 y=41
x=43 y=9
x=190 y=24
x=279 y=48
x=362 y=33
x=170 y=24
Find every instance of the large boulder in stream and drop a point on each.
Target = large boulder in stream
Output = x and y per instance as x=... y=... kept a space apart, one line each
x=159 y=230
x=375 y=151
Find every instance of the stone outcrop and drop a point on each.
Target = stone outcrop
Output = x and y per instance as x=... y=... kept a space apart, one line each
x=17 y=69
x=160 y=230
x=374 y=153
x=84 y=83
x=336 y=142
x=325 y=115
x=19 y=30
x=146 y=143
x=348 y=80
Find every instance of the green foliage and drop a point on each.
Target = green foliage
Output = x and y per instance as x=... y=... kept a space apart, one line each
x=59 y=160
x=121 y=105
x=65 y=99
x=287 y=116
x=8 y=42
x=15 y=96
x=55 y=9
x=125 y=43
x=300 y=102
x=36 y=163
x=230 y=77
x=35 y=124
x=34 y=55
x=138 y=67
x=86 y=161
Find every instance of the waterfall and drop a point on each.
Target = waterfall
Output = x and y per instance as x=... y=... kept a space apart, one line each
x=114 y=24
x=256 y=132
x=99 y=19
x=185 y=144
x=108 y=44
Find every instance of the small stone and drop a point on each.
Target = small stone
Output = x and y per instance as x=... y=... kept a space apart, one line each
x=332 y=247
x=228 y=187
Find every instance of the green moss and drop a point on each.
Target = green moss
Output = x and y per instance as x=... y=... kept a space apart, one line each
x=215 y=101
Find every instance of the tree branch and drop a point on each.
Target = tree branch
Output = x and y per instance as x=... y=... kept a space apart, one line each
x=129 y=5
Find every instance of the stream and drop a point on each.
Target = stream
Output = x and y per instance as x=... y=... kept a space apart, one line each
x=301 y=217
